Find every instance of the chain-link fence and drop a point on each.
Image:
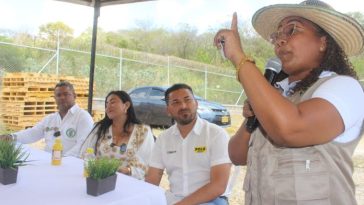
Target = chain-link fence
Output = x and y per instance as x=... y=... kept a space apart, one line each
x=124 y=69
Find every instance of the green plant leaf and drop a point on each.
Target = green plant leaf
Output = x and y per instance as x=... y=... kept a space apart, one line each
x=12 y=155
x=102 y=167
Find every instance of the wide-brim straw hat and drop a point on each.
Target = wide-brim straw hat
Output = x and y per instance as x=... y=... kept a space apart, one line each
x=346 y=31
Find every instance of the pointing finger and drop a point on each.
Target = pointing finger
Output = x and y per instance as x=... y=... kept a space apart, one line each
x=234 y=22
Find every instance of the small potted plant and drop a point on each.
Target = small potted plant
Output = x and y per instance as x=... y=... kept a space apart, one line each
x=11 y=157
x=101 y=175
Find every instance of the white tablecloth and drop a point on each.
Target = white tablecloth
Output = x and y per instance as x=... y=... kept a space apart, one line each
x=41 y=183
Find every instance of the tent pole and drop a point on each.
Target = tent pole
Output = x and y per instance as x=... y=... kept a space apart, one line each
x=93 y=55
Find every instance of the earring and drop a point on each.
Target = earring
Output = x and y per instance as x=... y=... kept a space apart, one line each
x=322 y=48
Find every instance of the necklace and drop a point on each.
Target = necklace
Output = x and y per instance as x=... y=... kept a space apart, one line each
x=122 y=147
x=121 y=141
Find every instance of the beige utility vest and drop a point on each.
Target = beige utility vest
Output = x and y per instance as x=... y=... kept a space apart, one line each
x=315 y=175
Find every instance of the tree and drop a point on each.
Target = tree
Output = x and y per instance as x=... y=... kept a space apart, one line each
x=184 y=41
x=358 y=61
x=51 y=32
x=116 y=40
x=11 y=58
x=357 y=16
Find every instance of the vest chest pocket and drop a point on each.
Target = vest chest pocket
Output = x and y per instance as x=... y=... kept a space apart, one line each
x=301 y=181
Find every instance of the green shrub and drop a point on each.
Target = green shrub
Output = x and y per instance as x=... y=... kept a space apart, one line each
x=102 y=167
x=12 y=155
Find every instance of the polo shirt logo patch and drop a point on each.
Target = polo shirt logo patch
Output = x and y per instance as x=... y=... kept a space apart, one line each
x=200 y=149
x=71 y=133
x=171 y=152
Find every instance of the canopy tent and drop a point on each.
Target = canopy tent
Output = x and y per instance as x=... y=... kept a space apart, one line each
x=92 y=3
x=96 y=4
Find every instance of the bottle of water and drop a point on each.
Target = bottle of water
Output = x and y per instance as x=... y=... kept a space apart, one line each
x=89 y=155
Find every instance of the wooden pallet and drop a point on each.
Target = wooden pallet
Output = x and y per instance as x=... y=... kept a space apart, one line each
x=26 y=98
x=97 y=115
x=20 y=120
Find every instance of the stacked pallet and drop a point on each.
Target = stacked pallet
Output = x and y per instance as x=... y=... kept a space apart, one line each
x=98 y=115
x=26 y=98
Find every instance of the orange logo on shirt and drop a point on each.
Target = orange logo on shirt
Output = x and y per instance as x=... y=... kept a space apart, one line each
x=200 y=149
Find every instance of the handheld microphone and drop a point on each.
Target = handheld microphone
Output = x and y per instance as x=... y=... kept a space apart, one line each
x=272 y=68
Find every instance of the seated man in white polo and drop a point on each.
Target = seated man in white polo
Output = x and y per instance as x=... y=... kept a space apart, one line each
x=194 y=153
x=71 y=123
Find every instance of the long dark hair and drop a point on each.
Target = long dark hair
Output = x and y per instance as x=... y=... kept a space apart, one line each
x=335 y=59
x=106 y=122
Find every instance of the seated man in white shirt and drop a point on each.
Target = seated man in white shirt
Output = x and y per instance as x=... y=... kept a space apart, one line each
x=194 y=153
x=71 y=123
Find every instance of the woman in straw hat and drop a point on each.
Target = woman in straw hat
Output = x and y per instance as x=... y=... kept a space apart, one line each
x=309 y=128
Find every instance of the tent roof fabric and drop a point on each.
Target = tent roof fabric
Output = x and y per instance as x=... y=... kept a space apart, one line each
x=102 y=2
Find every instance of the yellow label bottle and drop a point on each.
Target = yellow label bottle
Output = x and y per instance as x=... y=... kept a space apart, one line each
x=57 y=152
x=89 y=155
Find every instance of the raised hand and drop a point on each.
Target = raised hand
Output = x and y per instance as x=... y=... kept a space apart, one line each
x=230 y=40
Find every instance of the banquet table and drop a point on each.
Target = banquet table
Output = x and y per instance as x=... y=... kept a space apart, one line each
x=41 y=183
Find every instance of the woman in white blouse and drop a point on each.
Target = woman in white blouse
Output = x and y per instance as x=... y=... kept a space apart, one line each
x=121 y=135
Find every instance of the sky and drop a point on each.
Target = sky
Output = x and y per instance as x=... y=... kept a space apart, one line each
x=28 y=15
